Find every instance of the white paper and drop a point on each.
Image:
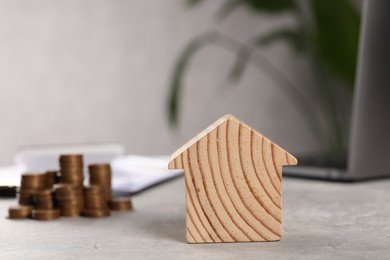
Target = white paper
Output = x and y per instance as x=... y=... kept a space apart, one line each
x=132 y=174
x=11 y=175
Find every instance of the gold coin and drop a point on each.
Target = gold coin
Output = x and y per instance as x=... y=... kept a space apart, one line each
x=44 y=205
x=100 y=173
x=36 y=184
x=34 y=176
x=71 y=157
x=93 y=189
x=95 y=203
x=71 y=212
x=67 y=189
x=102 y=182
x=52 y=177
x=120 y=203
x=71 y=172
x=19 y=212
x=99 y=167
x=25 y=202
x=43 y=195
x=96 y=213
x=45 y=214
x=76 y=183
x=69 y=197
x=70 y=205
x=26 y=193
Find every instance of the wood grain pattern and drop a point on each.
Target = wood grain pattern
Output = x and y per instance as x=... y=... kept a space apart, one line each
x=233 y=184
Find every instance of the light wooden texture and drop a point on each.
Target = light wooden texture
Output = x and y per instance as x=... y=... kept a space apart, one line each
x=233 y=184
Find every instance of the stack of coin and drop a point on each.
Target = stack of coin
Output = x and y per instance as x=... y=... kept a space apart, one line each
x=19 y=212
x=100 y=174
x=43 y=199
x=69 y=199
x=71 y=169
x=51 y=194
x=120 y=204
x=45 y=214
x=95 y=202
x=30 y=183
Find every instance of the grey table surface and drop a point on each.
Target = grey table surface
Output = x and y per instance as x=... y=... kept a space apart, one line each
x=321 y=220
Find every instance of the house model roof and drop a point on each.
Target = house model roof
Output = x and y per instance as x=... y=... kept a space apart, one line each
x=214 y=125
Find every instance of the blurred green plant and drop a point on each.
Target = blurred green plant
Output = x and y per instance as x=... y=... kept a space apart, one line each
x=326 y=32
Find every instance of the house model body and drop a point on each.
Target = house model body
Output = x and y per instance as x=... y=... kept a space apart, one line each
x=233 y=180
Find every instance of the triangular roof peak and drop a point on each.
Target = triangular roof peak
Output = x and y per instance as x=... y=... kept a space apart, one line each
x=214 y=125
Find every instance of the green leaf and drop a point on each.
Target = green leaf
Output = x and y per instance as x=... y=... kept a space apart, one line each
x=239 y=65
x=228 y=8
x=264 y=6
x=337 y=25
x=297 y=39
x=179 y=70
x=270 y=6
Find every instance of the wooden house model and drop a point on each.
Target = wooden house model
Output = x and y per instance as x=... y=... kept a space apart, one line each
x=233 y=178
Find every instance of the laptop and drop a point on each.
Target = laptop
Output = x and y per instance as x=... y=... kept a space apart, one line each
x=369 y=147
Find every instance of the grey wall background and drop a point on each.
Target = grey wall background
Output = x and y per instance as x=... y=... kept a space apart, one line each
x=87 y=71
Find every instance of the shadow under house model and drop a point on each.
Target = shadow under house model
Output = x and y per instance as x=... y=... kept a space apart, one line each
x=233 y=179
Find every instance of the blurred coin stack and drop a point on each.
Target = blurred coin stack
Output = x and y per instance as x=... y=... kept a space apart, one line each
x=100 y=174
x=49 y=195
x=71 y=169
x=95 y=202
x=30 y=183
x=69 y=199
x=35 y=193
x=69 y=193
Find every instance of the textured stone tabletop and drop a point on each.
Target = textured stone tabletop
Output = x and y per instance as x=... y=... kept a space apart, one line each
x=321 y=220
